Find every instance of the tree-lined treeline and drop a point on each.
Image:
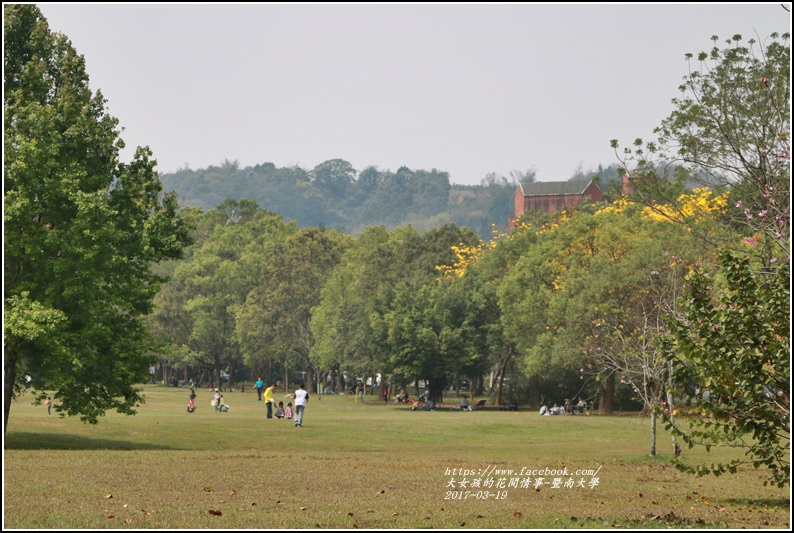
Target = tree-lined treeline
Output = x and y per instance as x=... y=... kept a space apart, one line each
x=335 y=195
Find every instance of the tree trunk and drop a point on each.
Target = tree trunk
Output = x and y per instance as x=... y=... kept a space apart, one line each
x=535 y=398
x=607 y=396
x=309 y=385
x=501 y=374
x=10 y=376
x=653 y=432
x=480 y=384
x=671 y=406
x=436 y=388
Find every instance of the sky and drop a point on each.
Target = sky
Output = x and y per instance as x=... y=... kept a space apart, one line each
x=469 y=89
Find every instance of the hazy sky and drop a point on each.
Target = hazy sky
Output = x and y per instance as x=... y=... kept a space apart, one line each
x=464 y=88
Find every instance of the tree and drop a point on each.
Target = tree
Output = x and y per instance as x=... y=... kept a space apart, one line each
x=476 y=274
x=636 y=283
x=201 y=305
x=739 y=350
x=340 y=323
x=334 y=177
x=731 y=129
x=277 y=311
x=81 y=231
x=381 y=310
x=417 y=323
x=547 y=298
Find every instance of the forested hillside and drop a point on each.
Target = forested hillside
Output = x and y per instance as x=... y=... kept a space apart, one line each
x=335 y=195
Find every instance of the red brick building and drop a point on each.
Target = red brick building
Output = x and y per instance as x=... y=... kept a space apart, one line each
x=549 y=197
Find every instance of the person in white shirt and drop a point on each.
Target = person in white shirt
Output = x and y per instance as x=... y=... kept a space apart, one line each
x=301 y=397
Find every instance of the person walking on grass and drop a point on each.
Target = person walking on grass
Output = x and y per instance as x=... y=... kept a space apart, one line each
x=269 y=400
x=260 y=385
x=191 y=404
x=301 y=398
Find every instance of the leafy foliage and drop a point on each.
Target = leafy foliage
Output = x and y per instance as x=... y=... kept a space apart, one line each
x=81 y=231
x=731 y=131
x=738 y=350
x=198 y=309
x=275 y=319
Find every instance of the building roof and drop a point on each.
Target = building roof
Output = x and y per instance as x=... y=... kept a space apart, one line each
x=554 y=188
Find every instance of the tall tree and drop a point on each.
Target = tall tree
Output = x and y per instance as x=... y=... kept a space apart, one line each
x=623 y=297
x=210 y=288
x=334 y=177
x=340 y=323
x=277 y=311
x=732 y=127
x=416 y=323
x=81 y=231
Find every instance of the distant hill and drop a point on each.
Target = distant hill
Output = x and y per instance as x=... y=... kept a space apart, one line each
x=335 y=195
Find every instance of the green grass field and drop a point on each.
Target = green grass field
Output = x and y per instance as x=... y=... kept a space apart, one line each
x=354 y=465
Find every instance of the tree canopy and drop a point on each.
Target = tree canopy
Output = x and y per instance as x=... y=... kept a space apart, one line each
x=81 y=231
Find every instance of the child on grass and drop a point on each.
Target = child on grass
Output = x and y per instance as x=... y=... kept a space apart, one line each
x=288 y=411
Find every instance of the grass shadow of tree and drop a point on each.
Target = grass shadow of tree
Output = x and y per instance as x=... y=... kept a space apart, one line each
x=21 y=440
x=767 y=503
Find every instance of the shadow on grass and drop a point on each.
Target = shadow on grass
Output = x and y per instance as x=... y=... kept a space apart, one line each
x=20 y=440
x=767 y=503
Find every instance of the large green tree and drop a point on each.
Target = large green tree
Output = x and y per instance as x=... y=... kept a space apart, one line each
x=417 y=322
x=81 y=231
x=544 y=300
x=383 y=311
x=340 y=323
x=275 y=319
x=198 y=309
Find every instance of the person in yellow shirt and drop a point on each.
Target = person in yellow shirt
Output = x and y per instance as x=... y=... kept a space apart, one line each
x=269 y=400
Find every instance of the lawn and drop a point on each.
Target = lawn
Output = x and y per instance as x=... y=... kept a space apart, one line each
x=371 y=465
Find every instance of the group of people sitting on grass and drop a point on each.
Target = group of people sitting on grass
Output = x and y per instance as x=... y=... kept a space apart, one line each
x=568 y=409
